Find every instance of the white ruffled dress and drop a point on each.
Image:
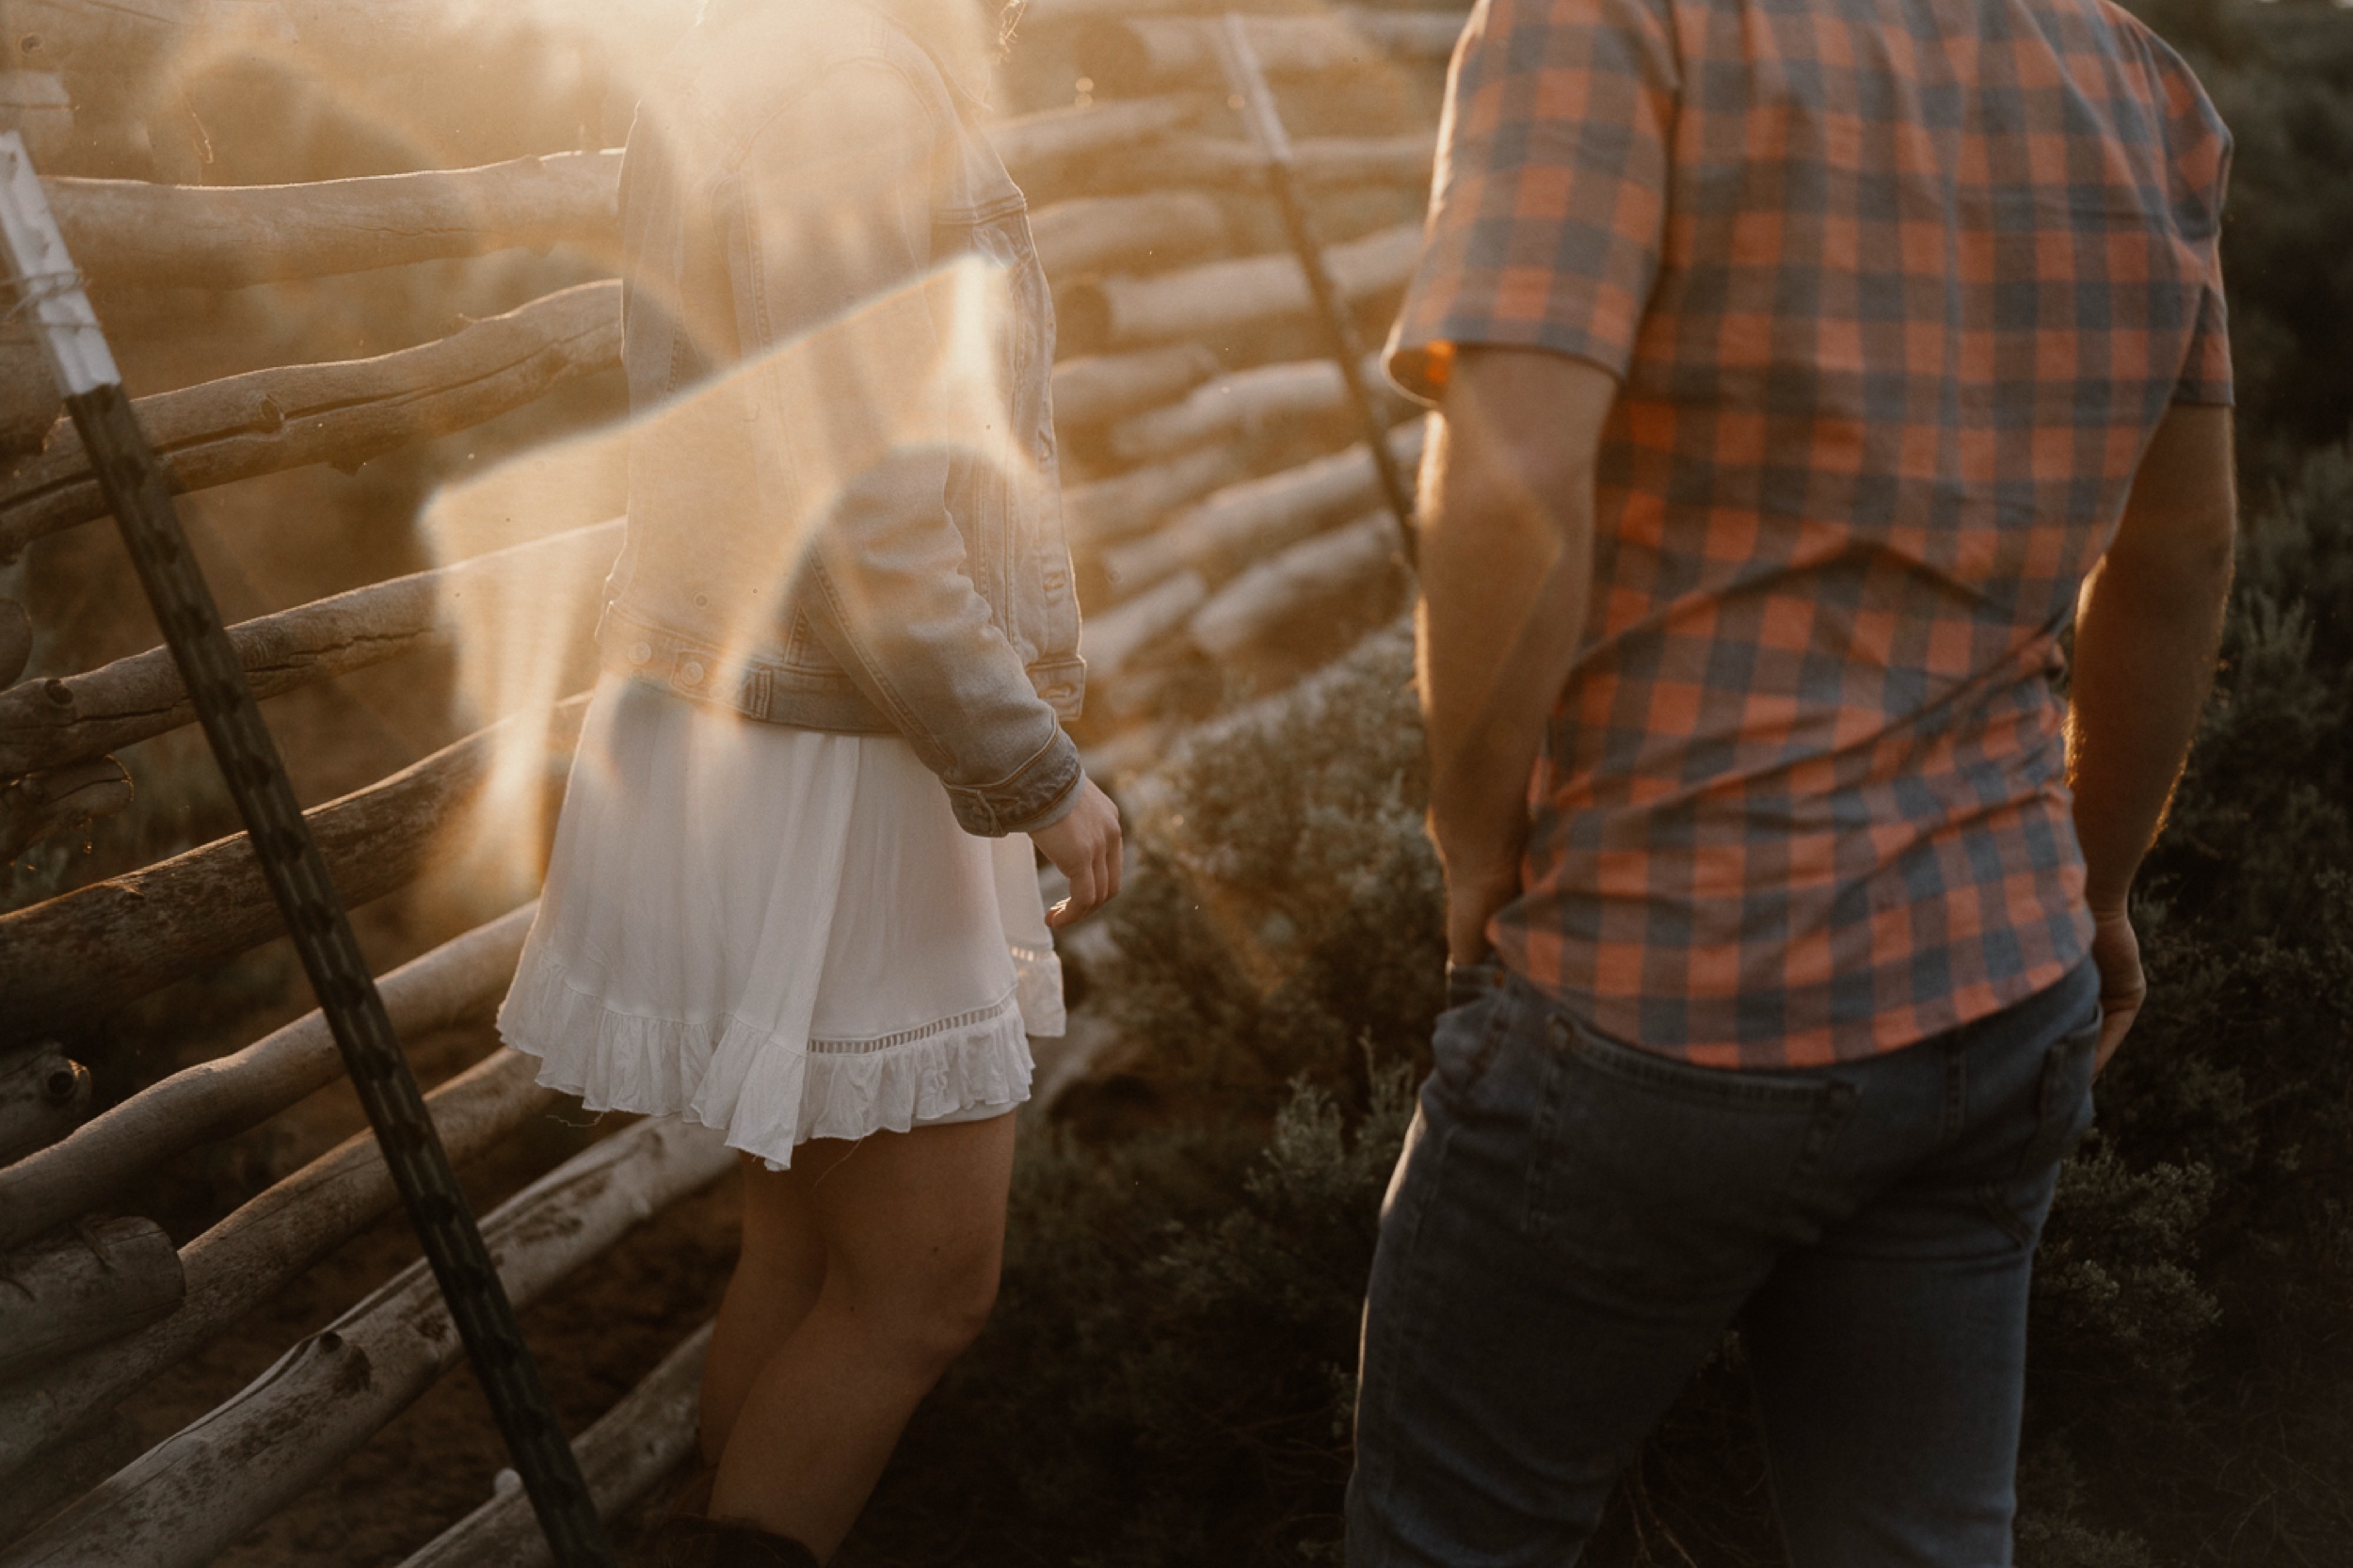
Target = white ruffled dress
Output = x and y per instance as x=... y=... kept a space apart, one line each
x=778 y=933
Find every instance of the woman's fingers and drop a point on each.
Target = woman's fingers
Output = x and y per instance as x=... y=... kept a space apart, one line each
x=1085 y=845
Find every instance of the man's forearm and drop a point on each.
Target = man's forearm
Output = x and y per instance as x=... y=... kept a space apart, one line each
x=2145 y=640
x=1507 y=524
x=1502 y=611
x=2146 y=628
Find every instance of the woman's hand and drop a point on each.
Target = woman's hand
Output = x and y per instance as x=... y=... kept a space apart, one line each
x=1084 y=846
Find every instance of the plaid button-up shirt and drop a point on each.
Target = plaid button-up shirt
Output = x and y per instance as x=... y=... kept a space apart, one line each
x=1897 y=291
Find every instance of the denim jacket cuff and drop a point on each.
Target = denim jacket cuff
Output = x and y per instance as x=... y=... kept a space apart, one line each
x=1039 y=793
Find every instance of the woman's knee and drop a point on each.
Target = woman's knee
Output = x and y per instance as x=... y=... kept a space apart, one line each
x=934 y=1312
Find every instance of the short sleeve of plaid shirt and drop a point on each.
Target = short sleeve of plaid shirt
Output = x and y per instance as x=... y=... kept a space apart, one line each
x=1549 y=203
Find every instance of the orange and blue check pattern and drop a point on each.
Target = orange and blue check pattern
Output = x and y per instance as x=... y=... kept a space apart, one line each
x=1897 y=291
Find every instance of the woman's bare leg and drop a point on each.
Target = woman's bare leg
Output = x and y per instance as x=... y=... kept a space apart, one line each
x=913 y=1225
x=775 y=1282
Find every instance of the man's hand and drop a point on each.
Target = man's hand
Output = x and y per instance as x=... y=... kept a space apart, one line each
x=1084 y=846
x=1473 y=897
x=2116 y=952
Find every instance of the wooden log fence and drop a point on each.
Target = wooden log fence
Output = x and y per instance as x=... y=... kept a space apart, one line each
x=1342 y=565
x=1217 y=299
x=1245 y=522
x=84 y=1288
x=1056 y=148
x=1089 y=232
x=128 y=231
x=1117 y=508
x=1238 y=405
x=622 y=1457
x=1112 y=639
x=43 y=1095
x=192 y=1494
x=1323 y=162
x=94 y=1163
x=255 y=1253
x=80 y=955
x=344 y=413
x=55 y=801
x=1192 y=549
x=1103 y=388
x=52 y=723
x=1337 y=42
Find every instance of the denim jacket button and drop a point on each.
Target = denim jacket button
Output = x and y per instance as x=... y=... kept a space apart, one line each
x=641 y=653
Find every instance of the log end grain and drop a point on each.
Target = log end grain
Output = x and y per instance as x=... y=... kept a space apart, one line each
x=84 y=1288
x=43 y=1095
x=60 y=800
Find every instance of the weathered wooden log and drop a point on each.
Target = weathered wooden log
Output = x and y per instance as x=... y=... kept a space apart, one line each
x=343 y=414
x=1101 y=388
x=1116 y=636
x=1321 y=161
x=628 y=1450
x=228 y=236
x=16 y=640
x=67 y=1471
x=361 y=38
x=1043 y=15
x=59 y=800
x=1246 y=521
x=49 y=724
x=1055 y=148
x=253 y=1253
x=1088 y=234
x=77 y=957
x=1301 y=581
x=1340 y=41
x=1217 y=298
x=43 y=1095
x=84 y=1288
x=188 y=1497
x=1114 y=509
x=1242 y=405
x=215 y=1100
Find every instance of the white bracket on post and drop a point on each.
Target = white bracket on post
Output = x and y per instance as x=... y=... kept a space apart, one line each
x=48 y=290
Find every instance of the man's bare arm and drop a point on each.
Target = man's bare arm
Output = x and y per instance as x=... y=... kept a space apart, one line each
x=2147 y=627
x=1507 y=552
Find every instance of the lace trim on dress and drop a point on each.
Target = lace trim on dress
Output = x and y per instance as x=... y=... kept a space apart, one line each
x=765 y=1092
x=907 y=1036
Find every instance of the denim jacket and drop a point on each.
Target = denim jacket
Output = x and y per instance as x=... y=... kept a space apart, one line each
x=844 y=511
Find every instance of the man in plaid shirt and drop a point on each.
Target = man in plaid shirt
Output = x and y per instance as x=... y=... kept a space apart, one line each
x=1803 y=368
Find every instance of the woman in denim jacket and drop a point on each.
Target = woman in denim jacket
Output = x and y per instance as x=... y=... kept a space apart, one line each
x=792 y=895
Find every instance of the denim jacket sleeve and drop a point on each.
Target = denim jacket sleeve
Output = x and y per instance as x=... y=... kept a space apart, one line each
x=831 y=253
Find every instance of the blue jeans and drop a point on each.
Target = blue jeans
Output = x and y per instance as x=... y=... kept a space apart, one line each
x=1575 y=1224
